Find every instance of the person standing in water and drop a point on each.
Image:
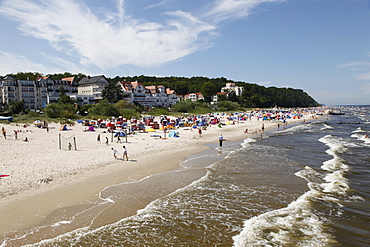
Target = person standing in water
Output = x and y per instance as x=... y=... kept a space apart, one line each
x=220 y=140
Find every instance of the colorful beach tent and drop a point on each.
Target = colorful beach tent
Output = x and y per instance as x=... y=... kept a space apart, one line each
x=173 y=134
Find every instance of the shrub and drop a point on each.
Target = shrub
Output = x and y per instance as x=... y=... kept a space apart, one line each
x=184 y=106
x=228 y=106
x=128 y=113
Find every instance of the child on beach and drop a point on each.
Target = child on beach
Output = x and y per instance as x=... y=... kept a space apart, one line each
x=114 y=153
x=124 y=153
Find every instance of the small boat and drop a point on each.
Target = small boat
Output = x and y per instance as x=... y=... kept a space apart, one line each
x=336 y=113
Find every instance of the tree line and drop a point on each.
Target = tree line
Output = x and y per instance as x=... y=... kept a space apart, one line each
x=253 y=95
x=114 y=104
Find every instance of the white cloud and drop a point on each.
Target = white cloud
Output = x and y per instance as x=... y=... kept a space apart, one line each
x=354 y=64
x=363 y=76
x=64 y=65
x=12 y=63
x=74 y=29
x=115 y=38
x=234 y=9
x=158 y=4
x=264 y=83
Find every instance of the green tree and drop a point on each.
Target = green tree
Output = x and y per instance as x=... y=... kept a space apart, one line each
x=184 y=106
x=125 y=104
x=208 y=90
x=26 y=76
x=15 y=107
x=228 y=106
x=104 y=109
x=64 y=99
x=112 y=93
x=233 y=97
x=221 y=97
x=56 y=110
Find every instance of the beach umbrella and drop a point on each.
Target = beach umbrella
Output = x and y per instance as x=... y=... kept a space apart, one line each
x=121 y=134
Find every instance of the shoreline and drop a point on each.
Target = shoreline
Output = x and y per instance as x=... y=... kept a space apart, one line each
x=25 y=210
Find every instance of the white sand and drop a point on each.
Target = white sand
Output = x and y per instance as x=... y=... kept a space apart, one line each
x=77 y=176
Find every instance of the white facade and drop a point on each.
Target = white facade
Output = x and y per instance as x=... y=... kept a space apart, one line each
x=83 y=99
x=194 y=96
x=92 y=85
x=32 y=93
x=149 y=96
x=68 y=85
x=232 y=87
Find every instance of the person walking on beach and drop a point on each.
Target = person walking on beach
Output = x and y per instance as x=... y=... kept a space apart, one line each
x=106 y=141
x=4 y=132
x=114 y=153
x=124 y=153
x=220 y=139
x=263 y=127
x=98 y=138
x=200 y=132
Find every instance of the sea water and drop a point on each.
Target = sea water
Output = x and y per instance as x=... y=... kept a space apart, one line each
x=304 y=185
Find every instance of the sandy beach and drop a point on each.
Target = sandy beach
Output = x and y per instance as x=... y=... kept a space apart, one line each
x=44 y=179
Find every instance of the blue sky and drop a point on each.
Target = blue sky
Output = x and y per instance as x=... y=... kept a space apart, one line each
x=319 y=46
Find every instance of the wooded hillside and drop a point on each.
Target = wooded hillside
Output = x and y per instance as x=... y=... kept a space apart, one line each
x=253 y=96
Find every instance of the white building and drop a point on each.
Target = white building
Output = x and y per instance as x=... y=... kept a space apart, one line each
x=231 y=87
x=92 y=86
x=68 y=85
x=194 y=96
x=32 y=93
x=83 y=99
x=149 y=96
